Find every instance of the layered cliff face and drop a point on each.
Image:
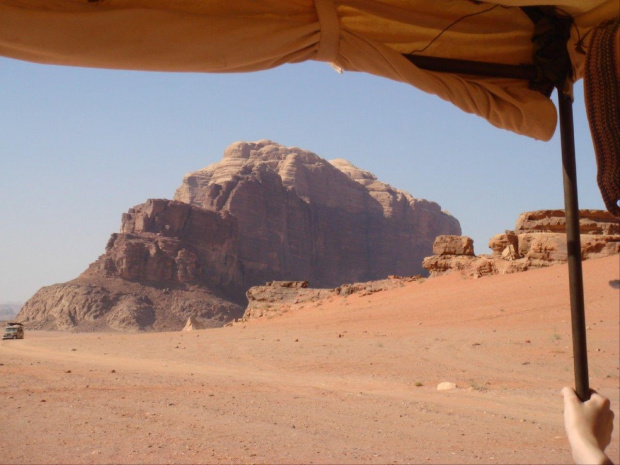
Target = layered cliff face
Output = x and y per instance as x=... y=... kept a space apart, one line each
x=166 y=242
x=264 y=213
x=303 y=218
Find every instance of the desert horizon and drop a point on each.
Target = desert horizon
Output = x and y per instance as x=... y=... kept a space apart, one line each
x=348 y=380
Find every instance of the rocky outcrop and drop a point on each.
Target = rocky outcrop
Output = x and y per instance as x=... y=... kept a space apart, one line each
x=539 y=240
x=96 y=303
x=539 y=237
x=193 y=324
x=591 y=222
x=278 y=297
x=264 y=213
x=456 y=253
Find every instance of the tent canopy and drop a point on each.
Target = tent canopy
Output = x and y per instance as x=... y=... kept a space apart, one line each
x=354 y=35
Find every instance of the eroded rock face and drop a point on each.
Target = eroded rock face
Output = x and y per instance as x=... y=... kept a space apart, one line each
x=539 y=240
x=453 y=245
x=597 y=222
x=540 y=237
x=165 y=242
x=303 y=218
x=264 y=213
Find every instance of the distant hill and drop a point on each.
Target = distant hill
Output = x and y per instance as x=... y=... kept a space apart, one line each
x=9 y=310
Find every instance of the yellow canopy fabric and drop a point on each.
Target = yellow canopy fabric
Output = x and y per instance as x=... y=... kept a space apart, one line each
x=354 y=35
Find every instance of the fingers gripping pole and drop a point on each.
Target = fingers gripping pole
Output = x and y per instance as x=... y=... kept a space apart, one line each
x=573 y=243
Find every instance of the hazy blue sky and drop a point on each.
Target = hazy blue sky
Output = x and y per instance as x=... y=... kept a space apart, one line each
x=79 y=147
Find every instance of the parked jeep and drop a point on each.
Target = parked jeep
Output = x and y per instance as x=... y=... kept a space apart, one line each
x=13 y=331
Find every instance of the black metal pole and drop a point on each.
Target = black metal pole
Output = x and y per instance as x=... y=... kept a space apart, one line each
x=573 y=243
x=476 y=68
x=571 y=207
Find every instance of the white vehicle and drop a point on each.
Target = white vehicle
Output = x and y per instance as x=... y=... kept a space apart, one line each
x=13 y=331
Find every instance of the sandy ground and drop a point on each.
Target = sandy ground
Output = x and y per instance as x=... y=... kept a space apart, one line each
x=351 y=381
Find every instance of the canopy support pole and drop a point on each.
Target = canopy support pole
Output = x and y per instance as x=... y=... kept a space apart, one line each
x=573 y=245
x=571 y=207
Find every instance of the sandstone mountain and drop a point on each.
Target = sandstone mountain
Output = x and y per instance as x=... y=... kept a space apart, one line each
x=303 y=218
x=264 y=213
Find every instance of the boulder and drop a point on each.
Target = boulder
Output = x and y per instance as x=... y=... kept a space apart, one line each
x=193 y=324
x=471 y=266
x=446 y=386
x=453 y=245
x=505 y=245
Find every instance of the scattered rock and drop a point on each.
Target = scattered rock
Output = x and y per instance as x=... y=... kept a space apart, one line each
x=193 y=324
x=446 y=386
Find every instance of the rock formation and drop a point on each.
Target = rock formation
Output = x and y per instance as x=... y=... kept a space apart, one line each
x=456 y=253
x=303 y=218
x=99 y=303
x=264 y=213
x=170 y=243
x=279 y=297
x=193 y=324
x=539 y=240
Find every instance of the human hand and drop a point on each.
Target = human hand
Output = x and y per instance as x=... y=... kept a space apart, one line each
x=588 y=426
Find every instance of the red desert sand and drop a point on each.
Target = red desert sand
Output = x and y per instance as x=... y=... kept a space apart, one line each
x=353 y=380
